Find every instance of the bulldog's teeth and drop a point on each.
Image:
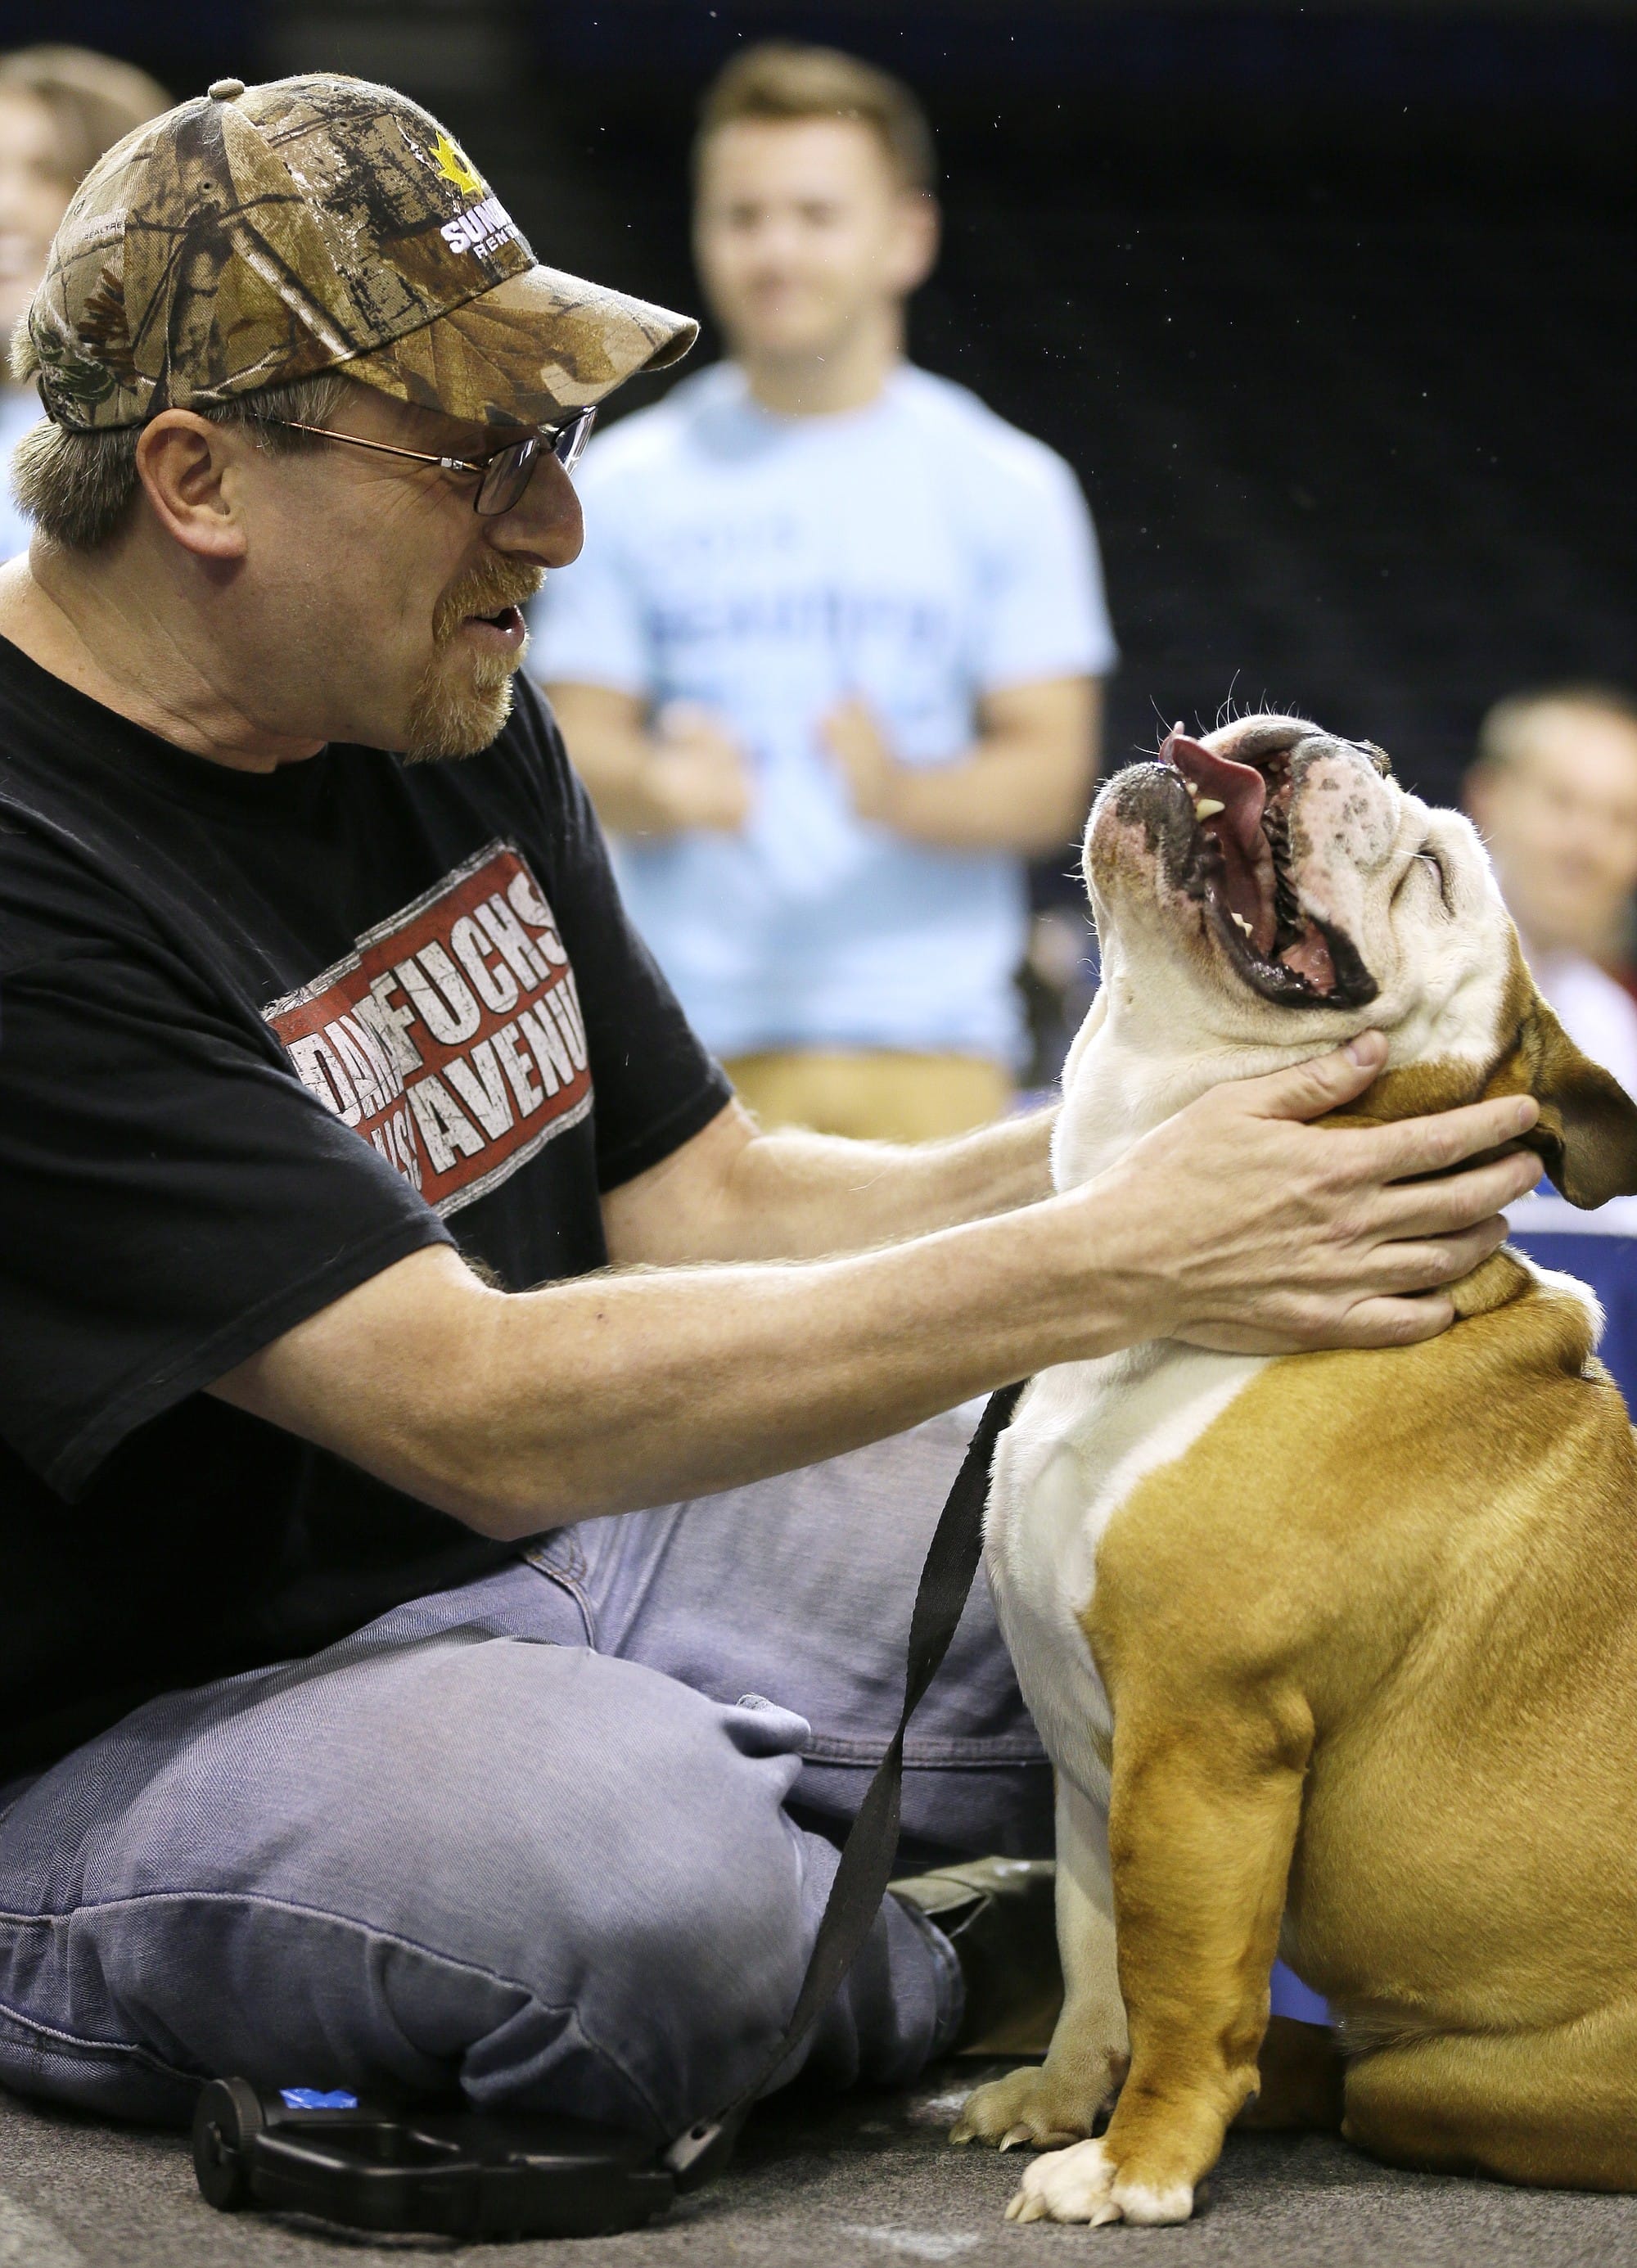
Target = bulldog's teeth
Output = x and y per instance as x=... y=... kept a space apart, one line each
x=1243 y=923
x=1207 y=807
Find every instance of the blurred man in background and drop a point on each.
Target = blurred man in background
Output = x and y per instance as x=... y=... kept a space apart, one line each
x=60 y=109
x=1554 y=790
x=829 y=663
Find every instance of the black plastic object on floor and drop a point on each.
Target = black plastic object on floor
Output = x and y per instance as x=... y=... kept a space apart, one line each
x=443 y=2173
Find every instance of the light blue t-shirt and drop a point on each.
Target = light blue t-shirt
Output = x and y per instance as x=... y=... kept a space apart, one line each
x=19 y=413
x=917 y=553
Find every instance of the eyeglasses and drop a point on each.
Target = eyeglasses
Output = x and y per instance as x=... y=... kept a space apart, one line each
x=502 y=478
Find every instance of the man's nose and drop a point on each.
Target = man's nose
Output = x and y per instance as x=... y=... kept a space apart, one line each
x=545 y=525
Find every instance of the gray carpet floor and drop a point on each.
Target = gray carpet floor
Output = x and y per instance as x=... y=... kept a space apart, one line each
x=863 y=2183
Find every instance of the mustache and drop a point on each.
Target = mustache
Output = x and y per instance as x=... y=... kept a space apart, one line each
x=495 y=585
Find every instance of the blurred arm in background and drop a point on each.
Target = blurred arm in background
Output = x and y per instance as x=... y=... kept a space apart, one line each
x=683 y=770
x=1024 y=785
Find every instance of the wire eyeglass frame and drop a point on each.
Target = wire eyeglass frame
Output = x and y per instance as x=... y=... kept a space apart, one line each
x=502 y=478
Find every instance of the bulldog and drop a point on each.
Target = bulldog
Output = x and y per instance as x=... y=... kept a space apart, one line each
x=1334 y=1654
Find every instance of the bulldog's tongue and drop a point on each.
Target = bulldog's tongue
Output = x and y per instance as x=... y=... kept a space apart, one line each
x=1229 y=798
x=1238 y=789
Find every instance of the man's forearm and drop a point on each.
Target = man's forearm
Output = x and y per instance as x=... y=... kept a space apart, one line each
x=733 y=1194
x=623 y=1390
x=1022 y=786
x=814 y=1194
x=1229 y=1224
x=1002 y=795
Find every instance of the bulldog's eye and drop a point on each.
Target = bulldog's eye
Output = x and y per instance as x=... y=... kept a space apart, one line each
x=1430 y=859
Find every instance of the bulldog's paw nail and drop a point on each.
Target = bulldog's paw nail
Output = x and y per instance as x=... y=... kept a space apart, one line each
x=1012 y=2136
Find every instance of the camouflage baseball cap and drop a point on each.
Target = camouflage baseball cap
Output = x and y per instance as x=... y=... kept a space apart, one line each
x=260 y=234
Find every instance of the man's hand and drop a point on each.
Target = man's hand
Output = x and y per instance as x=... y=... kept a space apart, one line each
x=868 y=764
x=1261 y=1234
x=697 y=770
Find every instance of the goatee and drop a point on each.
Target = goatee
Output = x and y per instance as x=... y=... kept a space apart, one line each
x=460 y=706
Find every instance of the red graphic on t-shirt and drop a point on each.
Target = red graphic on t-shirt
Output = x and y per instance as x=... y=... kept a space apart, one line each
x=451 y=1036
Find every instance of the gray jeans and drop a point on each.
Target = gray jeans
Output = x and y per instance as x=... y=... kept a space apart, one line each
x=558 y=1839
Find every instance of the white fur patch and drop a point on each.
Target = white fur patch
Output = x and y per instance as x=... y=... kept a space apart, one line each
x=1085 y=1434
x=1150 y=2208
x=1072 y=2184
x=1083 y=2183
x=1552 y=1280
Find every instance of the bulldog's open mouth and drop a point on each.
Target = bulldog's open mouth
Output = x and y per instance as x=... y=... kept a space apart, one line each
x=1236 y=861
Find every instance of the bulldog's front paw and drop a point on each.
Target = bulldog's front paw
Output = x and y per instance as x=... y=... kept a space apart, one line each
x=1084 y=2184
x=1036 y=2105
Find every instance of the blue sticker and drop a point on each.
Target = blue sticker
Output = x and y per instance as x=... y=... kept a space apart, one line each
x=313 y=2098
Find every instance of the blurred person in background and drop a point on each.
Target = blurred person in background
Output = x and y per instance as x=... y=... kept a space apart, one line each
x=1554 y=791
x=829 y=662
x=60 y=109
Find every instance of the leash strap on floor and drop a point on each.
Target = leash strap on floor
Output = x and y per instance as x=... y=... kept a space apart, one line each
x=872 y=1843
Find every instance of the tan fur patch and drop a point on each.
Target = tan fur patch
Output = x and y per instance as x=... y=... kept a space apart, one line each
x=1385 y=1612
x=1587 y=1136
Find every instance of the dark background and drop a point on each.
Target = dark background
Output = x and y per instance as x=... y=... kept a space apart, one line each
x=1332 y=307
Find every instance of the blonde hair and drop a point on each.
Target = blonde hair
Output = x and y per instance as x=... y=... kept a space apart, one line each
x=778 y=79
x=93 y=100
x=1503 y=735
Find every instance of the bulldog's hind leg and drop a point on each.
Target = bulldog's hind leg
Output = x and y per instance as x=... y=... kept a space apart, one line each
x=1059 y=2100
x=1207 y=1795
x=1555 y=2108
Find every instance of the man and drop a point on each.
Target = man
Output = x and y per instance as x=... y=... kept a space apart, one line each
x=342 y=1745
x=830 y=664
x=60 y=109
x=1554 y=789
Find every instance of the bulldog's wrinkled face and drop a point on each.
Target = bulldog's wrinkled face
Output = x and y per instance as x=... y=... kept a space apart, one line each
x=1264 y=892
x=1271 y=883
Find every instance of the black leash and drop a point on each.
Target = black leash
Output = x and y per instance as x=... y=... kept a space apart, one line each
x=867 y=1855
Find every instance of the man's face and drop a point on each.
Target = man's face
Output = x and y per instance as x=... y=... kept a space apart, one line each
x=35 y=193
x=383 y=609
x=802 y=231
x=1561 y=824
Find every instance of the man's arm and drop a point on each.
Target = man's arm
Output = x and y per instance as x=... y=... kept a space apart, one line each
x=1023 y=787
x=734 y=1193
x=682 y=770
x=1233 y=1223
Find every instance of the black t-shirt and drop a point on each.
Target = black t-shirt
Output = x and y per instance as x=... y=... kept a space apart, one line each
x=261 y=1035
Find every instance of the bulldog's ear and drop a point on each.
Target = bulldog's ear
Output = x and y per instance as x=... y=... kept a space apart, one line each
x=1586 y=1133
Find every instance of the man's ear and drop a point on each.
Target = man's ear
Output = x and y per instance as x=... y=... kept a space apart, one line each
x=1586 y=1133
x=181 y=461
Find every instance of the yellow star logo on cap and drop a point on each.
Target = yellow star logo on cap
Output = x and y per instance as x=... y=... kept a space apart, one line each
x=453 y=167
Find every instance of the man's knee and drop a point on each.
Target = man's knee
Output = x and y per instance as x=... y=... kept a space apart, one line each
x=491 y=1825
x=485 y=1785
